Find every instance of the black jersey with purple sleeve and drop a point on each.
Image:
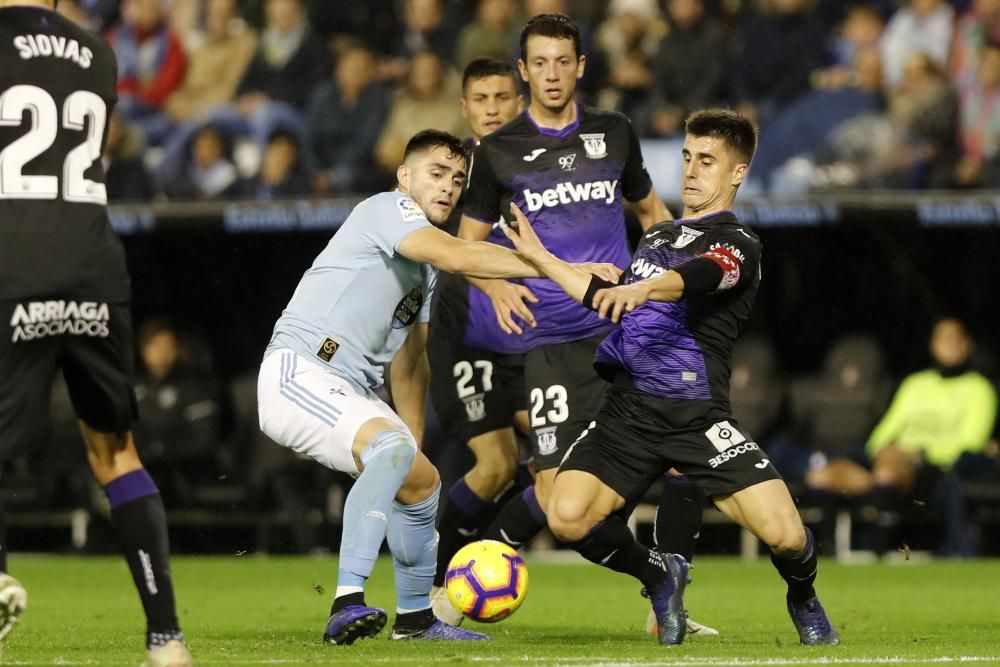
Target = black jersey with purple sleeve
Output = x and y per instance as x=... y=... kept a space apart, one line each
x=682 y=350
x=571 y=184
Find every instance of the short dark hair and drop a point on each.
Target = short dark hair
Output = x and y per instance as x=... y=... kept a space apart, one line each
x=739 y=133
x=559 y=26
x=480 y=68
x=425 y=140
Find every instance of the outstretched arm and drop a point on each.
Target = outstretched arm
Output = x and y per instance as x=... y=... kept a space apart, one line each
x=471 y=258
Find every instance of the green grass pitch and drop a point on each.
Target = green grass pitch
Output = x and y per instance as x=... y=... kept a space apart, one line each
x=244 y=610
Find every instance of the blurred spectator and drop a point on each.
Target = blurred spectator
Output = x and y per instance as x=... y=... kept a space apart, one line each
x=923 y=25
x=806 y=125
x=859 y=32
x=428 y=101
x=288 y=63
x=125 y=174
x=426 y=27
x=782 y=46
x=979 y=122
x=282 y=171
x=910 y=146
x=490 y=35
x=216 y=66
x=690 y=68
x=272 y=95
x=209 y=173
x=937 y=416
x=977 y=27
x=72 y=10
x=629 y=39
x=178 y=402
x=151 y=64
x=345 y=118
x=377 y=22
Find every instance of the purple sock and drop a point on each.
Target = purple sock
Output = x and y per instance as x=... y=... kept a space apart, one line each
x=537 y=513
x=130 y=486
x=466 y=500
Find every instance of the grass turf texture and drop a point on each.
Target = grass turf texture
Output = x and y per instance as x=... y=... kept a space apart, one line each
x=260 y=611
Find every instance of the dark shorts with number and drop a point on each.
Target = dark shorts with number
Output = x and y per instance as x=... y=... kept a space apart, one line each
x=91 y=341
x=637 y=437
x=474 y=391
x=564 y=395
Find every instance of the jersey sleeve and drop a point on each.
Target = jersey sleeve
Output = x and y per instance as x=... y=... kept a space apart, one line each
x=732 y=260
x=738 y=254
x=392 y=219
x=485 y=192
x=430 y=284
x=636 y=183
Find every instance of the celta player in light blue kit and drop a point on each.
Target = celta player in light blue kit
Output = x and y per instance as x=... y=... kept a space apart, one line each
x=365 y=302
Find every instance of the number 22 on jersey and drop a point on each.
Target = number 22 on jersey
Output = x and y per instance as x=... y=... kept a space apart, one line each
x=44 y=117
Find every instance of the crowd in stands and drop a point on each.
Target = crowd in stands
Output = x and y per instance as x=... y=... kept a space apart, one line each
x=281 y=98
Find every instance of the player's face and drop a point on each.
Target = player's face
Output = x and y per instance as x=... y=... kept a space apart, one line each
x=711 y=175
x=434 y=179
x=490 y=103
x=551 y=70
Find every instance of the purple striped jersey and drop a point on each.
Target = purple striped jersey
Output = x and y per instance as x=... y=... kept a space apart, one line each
x=571 y=183
x=682 y=350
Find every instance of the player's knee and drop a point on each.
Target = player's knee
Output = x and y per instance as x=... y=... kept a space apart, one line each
x=495 y=470
x=785 y=535
x=422 y=481
x=568 y=519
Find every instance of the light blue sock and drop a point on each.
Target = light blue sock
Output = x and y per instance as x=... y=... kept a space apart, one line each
x=413 y=542
x=387 y=460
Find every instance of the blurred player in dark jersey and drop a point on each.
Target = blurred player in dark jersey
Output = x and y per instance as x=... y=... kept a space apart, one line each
x=64 y=292
x=477 y=371
x=571 y=169
x=681 y=306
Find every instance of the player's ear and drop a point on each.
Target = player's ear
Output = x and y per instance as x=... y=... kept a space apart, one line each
x=739 y=173
x=403 y=177
x=464 y=106
x=523 y=70
x=581 y=65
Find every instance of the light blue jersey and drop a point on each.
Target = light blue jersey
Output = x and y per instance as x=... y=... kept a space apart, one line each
x=355 y=305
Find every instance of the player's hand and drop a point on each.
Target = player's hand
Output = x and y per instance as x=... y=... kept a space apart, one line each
x=523 y=236
x=510 y=299
x=615 y=302
x=603 y=270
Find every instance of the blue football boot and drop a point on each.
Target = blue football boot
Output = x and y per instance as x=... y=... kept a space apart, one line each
x=668 y=600
x=354 y=622
x=813 y=624
x=437 y=631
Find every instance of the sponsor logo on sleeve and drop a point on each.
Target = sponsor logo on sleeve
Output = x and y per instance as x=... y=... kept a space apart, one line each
x=409 y=210
x=407 y=310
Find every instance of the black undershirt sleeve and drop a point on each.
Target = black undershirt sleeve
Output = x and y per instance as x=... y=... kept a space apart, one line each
x=701 y=275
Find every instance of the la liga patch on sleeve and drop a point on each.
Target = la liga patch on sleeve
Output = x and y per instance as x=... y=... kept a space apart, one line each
x=409 y=210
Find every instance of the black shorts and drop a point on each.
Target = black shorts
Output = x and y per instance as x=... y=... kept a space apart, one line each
x=473 y=391
x=638 y=437
x=564 y=395
x=91 y=341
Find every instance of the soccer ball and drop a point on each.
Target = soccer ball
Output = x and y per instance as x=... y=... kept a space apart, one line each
x=487 y=581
